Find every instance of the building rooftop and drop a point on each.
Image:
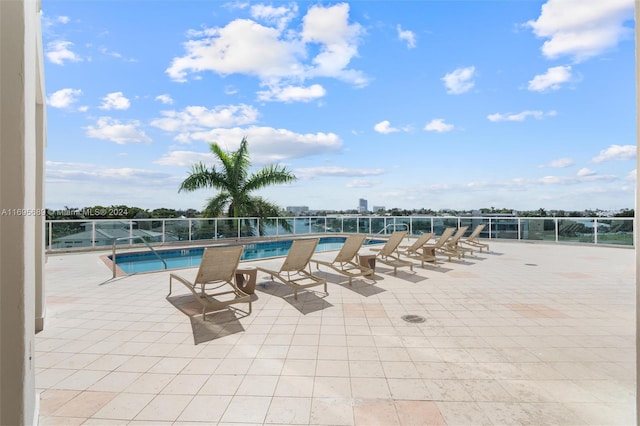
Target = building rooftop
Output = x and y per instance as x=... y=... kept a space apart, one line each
x=526 y=334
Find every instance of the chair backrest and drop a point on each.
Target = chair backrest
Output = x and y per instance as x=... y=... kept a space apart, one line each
x=454 y=240
x=476 y=232
x=299 y=254
x=422 y=240
x=392 y=243
x=446 y=234
x=219 y=264
x=350 y=248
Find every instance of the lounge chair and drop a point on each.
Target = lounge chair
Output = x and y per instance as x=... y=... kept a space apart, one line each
x=389 y=253
x=415 y=251
x=473 y=241
x=430 y=250
x=451 y=248
x=292 y=272
x=345 y=261
x=217 y=271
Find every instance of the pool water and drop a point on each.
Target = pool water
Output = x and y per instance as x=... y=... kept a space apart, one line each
x=131 y=263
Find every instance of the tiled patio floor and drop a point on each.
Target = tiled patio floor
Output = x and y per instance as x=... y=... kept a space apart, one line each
x=527 y=334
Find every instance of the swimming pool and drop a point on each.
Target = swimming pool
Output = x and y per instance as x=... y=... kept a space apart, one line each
x=132 y=263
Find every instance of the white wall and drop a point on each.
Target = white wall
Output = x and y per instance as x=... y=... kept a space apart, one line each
x=21 y=173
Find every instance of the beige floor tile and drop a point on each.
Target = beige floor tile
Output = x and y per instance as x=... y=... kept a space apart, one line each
x=61 y=421
x=331 y=411
x=332 y=368
x=257 y=385
x=116 y=381
x=247 y=409
x=289 y=411
x=52 y=399
x=295 y=386
x=164 y=408
x=372 y=412
x=408 y=389
x=80 y=380
x=185 y=384
x=332 y=387
x=359 y=368
x=221 y=384
x=370 y=388
x=418 y=413
x=150 y=383
x=205 y=408
x=85 y=404
x=125 y=406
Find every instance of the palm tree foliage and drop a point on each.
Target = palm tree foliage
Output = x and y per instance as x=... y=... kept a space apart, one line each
x=235 y=184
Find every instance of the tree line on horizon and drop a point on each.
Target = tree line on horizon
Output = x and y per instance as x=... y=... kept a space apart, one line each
x=93 y=212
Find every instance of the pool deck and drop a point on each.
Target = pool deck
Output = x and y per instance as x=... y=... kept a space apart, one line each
x=528 y=334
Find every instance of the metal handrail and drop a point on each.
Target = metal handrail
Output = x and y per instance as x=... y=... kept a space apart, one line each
x=113 y=251
x=394 y=226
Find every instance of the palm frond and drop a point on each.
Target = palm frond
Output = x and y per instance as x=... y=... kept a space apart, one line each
x=215 y=206
x=271 y=174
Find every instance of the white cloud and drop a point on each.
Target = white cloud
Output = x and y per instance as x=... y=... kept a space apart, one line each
x=280 y=16
x=583 y=172
x=438 y=125
x=521 y=116
x=185 y=158
x=268 y=145
x=107 y=128
x=560 y=163
x=460 y=80
x=551 y=80
x=199 y=118
x=59 y=51
x=616 y=152
x=292 y=93
x=582 y=29
x=63 y=98
x=329 y=27
x=384 y=127
x=243 y=46
x=276 y=55
x=63 y=19
x=115 y=100
x=165 y=99
x=70 y=172
x=407 y=36
x=311 y=172
x=362 y=183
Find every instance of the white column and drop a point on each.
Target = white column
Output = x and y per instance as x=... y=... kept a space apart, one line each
x=19 y=21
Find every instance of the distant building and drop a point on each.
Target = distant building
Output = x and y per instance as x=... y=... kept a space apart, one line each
x=376 y=209
x=362 y=206
x=298 y=210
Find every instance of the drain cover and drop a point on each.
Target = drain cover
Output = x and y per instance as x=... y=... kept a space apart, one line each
x=413 y=318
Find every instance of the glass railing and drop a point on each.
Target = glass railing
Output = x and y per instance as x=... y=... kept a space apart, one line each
x=82 y=234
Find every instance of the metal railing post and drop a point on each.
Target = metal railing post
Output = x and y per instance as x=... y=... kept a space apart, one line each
x=595 y=231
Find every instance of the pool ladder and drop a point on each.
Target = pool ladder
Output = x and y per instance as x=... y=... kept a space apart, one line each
x=113 y=251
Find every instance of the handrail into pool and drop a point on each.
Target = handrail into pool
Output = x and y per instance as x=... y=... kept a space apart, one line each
x=113 y=251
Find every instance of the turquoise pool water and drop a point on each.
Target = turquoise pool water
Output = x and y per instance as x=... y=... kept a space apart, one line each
x=132 y=263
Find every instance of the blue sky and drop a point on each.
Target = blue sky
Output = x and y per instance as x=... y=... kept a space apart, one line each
x=408 y=104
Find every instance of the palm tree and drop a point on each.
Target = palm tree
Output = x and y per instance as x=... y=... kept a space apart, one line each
x=235 y=184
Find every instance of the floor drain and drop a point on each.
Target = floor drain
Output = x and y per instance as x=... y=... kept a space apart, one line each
x=413 y=318
x=530 y=264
